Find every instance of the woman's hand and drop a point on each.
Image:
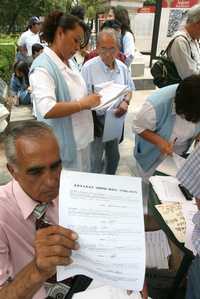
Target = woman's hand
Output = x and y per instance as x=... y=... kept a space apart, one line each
x=144 y=292
x=165 y=147
x=90 y=101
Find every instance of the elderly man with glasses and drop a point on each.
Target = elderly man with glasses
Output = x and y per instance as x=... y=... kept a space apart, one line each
x=101 y=69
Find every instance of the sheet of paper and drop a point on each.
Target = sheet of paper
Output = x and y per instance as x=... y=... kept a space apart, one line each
x=171 y=164
x=188 y=210
x=157 y=250
x=166 y=188
x=106 y=292
x=173 y=216
x=106 y=212
x=109 y=93
x=113 y=126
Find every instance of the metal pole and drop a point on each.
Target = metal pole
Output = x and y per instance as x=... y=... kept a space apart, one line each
x=156 y=27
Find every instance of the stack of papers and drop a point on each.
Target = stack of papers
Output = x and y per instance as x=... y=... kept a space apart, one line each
x=171 y=165
x=166 y=188
x=157 y=250
x=110 y=92
x=106 y=212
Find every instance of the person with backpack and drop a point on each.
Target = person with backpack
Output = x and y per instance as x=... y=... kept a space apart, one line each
x=185 y=50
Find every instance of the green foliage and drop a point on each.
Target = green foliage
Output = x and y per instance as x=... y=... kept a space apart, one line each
x=93 y=7
x=15 y=13
x=150 y=2
x=7 y=56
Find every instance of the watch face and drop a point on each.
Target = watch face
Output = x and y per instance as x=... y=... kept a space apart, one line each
x=56 y=291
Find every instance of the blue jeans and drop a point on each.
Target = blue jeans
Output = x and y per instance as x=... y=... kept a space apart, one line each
x=193 y=284
x=104 y=156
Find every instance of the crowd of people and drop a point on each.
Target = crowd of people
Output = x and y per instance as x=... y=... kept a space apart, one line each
x=66 y=133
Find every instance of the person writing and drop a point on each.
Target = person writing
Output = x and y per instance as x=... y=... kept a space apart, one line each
x=60 y=94
x=168 y=122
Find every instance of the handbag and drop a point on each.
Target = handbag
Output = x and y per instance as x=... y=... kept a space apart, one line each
x=164 y=71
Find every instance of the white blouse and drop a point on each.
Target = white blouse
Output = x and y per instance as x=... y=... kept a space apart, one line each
x=44 y=98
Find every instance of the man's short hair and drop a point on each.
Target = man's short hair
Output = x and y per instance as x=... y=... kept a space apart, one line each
x=29 y=129
x=109 y=32
x=193 y=15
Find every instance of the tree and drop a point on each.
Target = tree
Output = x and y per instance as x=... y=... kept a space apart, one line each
x=15 y=13
x=93 y=7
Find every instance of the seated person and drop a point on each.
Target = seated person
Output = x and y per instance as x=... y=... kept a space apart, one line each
x=36 y=50
x=19 y=83
x=167 y=122
x=109 y=24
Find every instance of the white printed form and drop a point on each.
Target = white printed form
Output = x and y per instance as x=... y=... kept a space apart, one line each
x=106 y=211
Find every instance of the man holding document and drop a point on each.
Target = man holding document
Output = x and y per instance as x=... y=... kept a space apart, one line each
x=102 y=69
x=32 y=244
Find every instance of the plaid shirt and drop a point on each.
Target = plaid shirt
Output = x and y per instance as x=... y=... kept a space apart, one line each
x=189 y=176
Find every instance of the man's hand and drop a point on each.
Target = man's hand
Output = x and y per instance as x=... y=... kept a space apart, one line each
x=121 y=109
x=165 y=147
x=53 y=247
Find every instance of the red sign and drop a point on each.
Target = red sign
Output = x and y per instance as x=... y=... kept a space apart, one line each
x=147 y=9
x=179 y=3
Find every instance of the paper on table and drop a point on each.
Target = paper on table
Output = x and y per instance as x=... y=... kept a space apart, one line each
x=173 y=216
x=106 y=292
x=188 y=210
x=157 y=250
x=110 y=92
x=171 y=164
x=106 y=212
x=166 y=188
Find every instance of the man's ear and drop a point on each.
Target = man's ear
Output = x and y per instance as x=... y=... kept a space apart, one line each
x=97 y=49
x=12 y=169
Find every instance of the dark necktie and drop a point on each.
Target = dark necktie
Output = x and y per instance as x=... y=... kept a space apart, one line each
x=64 y=289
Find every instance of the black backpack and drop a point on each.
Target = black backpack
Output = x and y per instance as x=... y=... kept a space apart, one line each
x=164 y=71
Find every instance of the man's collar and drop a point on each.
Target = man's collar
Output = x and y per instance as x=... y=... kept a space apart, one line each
x=25 y=203
x=107 y=69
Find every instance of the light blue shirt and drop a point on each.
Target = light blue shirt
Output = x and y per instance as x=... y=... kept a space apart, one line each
x=96 y=72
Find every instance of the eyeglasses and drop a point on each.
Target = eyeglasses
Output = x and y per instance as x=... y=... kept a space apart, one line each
x=106 y=50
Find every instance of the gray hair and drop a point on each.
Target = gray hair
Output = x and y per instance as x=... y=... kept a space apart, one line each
x=193 y=15
x=109 y=32
x=28 y=129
